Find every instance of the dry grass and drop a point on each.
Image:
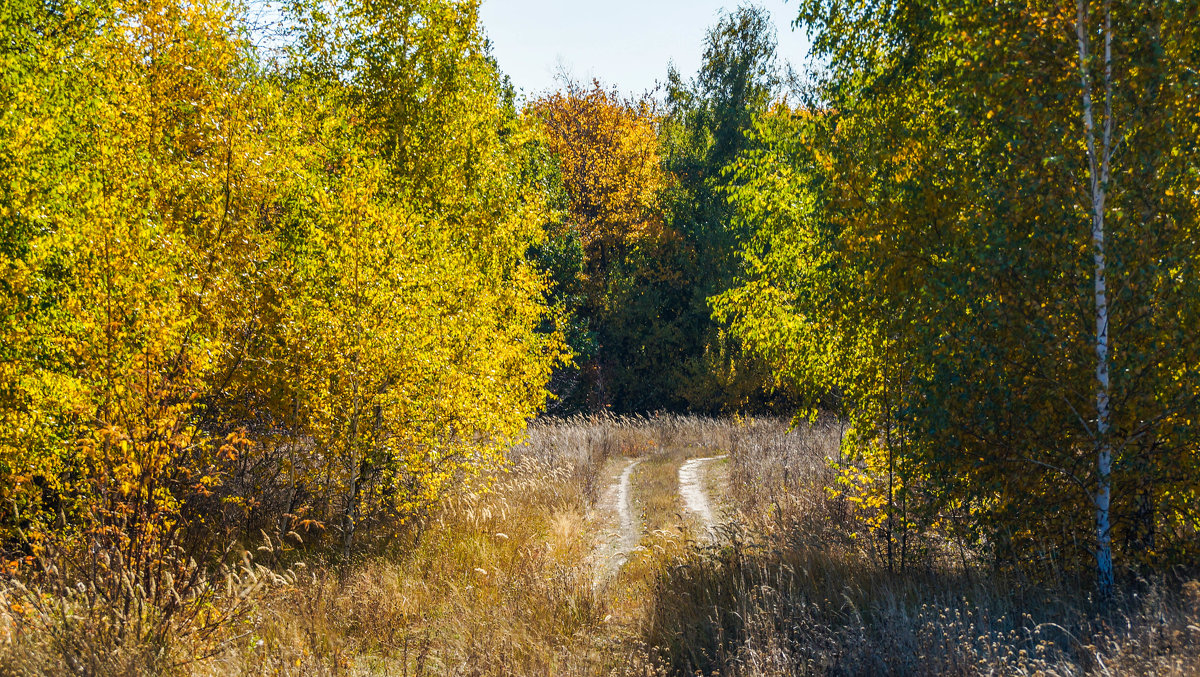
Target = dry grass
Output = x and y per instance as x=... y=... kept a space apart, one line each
x=790 y=593
x=500 y=582
x=655 y=481
x=87 y=611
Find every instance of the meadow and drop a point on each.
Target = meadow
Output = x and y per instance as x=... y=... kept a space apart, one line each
x=522 y=573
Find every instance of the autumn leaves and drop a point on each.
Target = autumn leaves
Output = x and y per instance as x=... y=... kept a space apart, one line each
x=355 y=266
x=322 y=258
x=924 y=250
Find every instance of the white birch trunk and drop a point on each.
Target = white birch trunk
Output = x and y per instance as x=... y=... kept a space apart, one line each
x=1098 y=166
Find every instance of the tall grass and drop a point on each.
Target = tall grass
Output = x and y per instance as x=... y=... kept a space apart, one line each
x=791 y=592
x=499 y=580
x=89 y=611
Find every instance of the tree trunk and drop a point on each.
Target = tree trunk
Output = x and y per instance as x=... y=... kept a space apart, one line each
x=887 y=437
x=1098 y=166
x=350 y=511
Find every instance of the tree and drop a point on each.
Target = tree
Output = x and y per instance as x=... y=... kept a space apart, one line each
x=132 y=232
x=407 y=352
x=1099 y=163
x=705 y=128
x=927 y=252
x=608 y=158
x=612 y=177
x=217 y=267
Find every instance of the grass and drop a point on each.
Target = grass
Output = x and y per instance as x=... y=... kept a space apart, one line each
x=792 y=594
x=500 y=582
x=654 y=490
x=716 y=484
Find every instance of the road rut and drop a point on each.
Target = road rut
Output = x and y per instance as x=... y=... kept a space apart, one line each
x=615 y=551
x=691 y=488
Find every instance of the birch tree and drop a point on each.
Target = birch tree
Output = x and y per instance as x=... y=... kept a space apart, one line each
x=930 y=199
x=1099 y=163
x=203 y=260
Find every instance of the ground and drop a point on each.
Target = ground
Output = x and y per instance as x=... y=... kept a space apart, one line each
x=652 y=546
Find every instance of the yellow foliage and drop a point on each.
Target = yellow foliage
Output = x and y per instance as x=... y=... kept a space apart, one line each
x=194 y=246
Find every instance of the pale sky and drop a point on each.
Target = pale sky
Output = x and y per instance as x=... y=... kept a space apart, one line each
x=625 y=43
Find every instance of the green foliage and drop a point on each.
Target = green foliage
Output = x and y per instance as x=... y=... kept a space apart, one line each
x=614 y=260
x=646 y=194
x=704 y=130
x=924 y=254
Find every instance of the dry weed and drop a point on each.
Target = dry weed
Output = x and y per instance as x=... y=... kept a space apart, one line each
x=499 y=581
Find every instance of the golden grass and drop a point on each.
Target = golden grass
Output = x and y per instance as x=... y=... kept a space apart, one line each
x=655 y=495
x=500 y=582
x=791 y=594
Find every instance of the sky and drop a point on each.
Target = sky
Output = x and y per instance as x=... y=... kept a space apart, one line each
x=627 y=44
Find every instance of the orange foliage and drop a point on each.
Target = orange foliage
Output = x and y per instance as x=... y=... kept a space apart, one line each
x=611 y=169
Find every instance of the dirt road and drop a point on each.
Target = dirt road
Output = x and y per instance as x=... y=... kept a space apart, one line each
x=691 y=488
x=618 y=543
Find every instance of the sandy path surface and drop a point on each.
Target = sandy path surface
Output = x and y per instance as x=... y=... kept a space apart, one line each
x=615 y=550
x=691 y=488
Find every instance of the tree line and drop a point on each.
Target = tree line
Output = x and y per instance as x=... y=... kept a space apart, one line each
x=646 y=234
x=307 y=288
x=240 y=293
x=977 y=236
